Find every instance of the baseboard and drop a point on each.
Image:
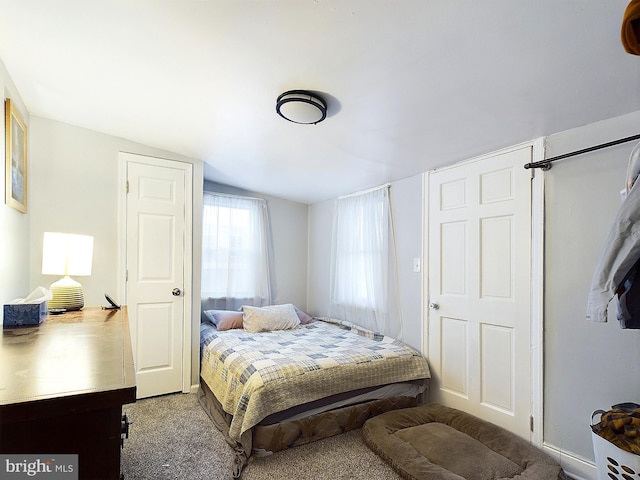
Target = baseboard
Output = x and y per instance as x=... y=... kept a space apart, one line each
x=576 y=467
x=194 y=388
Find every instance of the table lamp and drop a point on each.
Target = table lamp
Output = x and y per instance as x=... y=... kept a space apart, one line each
x=66 y=254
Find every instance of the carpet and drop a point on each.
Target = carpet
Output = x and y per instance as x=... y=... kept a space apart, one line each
x=172 y=438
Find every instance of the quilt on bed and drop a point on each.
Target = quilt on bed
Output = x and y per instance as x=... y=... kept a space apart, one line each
x=256 y=374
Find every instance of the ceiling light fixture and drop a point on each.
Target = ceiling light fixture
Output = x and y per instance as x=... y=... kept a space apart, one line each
x=301 y=106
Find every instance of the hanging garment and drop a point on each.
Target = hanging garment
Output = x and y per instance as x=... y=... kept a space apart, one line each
x=628 y=311
x=633 y=168
x=620 y=254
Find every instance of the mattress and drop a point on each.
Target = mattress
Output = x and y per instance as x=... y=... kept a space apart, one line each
x=414 y=389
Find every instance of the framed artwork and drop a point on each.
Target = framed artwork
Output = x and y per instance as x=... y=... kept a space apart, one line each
x=16 y=158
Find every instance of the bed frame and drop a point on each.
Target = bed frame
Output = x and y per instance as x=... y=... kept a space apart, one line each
x=267 y=438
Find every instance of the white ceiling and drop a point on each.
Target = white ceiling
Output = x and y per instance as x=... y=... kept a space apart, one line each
x=411 y=84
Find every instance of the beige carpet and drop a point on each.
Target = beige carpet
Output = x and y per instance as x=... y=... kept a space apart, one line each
x=172 y=438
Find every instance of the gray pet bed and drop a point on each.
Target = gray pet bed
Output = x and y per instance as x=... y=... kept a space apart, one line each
x=433 y=442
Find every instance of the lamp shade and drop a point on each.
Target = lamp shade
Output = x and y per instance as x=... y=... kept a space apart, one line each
x=301 y=106
x=67 y=254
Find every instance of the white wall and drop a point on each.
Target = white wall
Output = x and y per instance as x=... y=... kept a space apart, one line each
x=289 y=226
x=74 y=175
x=319 y=257
x=587 y=365
x=406 y=206
x=289 y=234
x=14 y=226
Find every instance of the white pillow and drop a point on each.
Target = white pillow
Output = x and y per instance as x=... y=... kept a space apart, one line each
x=273 y=317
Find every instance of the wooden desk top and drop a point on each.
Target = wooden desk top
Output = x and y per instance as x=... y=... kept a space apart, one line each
x=74 y=354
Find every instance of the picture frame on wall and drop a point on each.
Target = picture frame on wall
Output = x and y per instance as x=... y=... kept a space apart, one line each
x=15 y=159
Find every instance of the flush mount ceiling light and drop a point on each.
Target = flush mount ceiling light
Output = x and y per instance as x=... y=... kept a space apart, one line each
x=301 y=106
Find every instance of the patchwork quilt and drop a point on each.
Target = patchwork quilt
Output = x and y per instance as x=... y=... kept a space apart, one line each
x=256 y=374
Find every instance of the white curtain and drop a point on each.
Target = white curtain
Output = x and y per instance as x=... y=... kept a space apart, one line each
x=236 y=252
x=364 y=282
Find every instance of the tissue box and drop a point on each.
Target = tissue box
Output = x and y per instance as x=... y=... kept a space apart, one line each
x=24 y=314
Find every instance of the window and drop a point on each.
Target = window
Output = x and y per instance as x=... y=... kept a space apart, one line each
x=235 y=252
x=363 y=280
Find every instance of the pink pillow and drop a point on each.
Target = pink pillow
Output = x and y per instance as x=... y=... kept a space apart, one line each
x=304 y=318
x=230 y=320
x=225 y=319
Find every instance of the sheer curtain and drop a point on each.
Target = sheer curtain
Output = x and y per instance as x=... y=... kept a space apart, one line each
x=236 y=252
x=364 y=281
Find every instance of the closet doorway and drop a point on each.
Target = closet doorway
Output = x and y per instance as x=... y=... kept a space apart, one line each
x=479 y=288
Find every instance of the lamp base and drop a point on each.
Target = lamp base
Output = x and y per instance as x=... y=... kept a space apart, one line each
x=67 y=294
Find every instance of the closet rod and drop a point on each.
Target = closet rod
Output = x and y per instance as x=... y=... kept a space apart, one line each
x=546 y=164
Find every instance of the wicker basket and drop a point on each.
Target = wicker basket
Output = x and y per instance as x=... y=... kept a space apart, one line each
x=612 y=462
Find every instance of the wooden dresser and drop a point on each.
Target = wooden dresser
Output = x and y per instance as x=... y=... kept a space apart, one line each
x=62 y=387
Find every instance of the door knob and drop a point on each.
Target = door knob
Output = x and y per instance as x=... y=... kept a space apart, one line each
x=176 y=292
x=434 y=305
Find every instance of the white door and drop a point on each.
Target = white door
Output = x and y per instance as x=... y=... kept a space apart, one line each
x=156 y=260
x=479 y=307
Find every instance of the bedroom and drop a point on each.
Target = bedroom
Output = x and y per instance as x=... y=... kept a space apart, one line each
x=581 y=197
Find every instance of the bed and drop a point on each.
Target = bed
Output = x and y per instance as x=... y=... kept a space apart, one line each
x=271 y=390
